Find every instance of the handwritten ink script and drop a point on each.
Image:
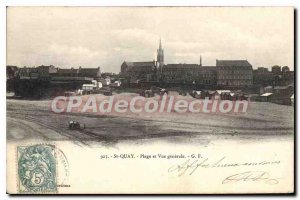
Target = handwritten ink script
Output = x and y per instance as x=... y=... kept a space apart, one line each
x=251 y=176
x=190 y=166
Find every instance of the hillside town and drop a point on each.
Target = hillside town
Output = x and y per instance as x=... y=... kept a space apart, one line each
x=234 y=79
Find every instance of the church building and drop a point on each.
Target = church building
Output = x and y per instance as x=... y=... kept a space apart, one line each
x=231 y=73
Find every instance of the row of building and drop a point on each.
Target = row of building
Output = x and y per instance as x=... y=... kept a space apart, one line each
x=49 y=81
x=232 y=73
x=51 y=72
x=278 y=76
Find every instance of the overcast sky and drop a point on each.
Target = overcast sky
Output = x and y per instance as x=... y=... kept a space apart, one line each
x=91 y=37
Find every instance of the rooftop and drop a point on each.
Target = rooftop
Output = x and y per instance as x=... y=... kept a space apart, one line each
x=244 y=64
x=139 y=64
x=266 y=94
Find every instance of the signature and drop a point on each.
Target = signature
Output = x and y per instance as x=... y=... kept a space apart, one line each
x=185 y=167
x=190 y=166
x=251 y=176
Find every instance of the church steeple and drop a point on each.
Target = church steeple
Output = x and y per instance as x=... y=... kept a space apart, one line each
x=160 y=57
x=160 y=61
x=159 y=43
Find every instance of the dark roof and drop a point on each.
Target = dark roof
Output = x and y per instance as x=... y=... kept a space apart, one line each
x=28 y=69
x=238 y=63
x=67 y=71
x=45 y=66
x=180 y=66
x=11 y=67
x=89 y=70
x=139 y=64
x=233 y=63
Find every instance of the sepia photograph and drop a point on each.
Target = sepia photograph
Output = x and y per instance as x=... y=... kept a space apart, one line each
x=150 y=100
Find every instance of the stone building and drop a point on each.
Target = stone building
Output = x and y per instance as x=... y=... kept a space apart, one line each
x=190 y=73
x=231 y=73
x=135 y=71
x=262 y=76
x=72 y=72
x=80 y=72
x=276 y=77
x=207 y=75
x=234 y=73
x=179 y=72
x=89 y=72
x=287 y=76
x=28 y=73
x=51 y=72
x=262 y=70
x=40 y=72
x=46 y=71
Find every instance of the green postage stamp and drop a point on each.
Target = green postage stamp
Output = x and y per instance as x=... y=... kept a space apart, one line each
x=37 y=169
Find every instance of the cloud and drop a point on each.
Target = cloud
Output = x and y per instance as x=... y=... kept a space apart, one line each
x=77 y=55
x=92 y=37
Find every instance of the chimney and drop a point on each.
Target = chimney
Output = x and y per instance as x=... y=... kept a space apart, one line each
x=200 y=61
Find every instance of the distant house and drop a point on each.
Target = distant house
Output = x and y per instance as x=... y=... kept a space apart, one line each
x=87 y=87
x=28 y=73
x=282 y=94
x=89 y=72
x=67 y=72
x=46 y=71
x=262 y=76
x=234 y=73
x=40 y=72
x=11 y=71
x=278 y=94
x=284 y=90
x=138 y=70
x=73 y=74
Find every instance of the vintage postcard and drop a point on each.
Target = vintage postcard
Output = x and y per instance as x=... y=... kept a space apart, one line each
x=150 y=100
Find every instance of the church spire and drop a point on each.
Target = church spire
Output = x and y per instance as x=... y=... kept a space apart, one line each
x=159 y=43
x=160 y=58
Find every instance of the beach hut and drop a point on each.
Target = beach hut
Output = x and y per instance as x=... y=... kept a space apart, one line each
x=266 y=97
